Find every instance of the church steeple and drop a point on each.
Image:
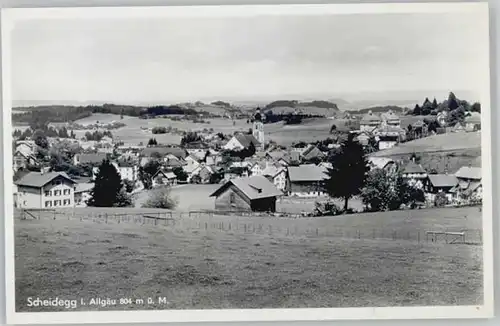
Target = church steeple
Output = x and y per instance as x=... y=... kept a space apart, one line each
x=258 y=127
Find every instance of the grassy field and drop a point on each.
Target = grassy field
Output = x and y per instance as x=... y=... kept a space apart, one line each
x=195 y=268
x=436 y=143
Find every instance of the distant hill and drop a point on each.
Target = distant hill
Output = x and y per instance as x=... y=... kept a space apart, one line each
x=316 y=107
x=379 y=109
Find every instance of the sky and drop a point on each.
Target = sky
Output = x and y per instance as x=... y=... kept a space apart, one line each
x=168 y=60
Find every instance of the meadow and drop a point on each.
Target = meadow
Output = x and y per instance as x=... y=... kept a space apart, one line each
x=197 y=268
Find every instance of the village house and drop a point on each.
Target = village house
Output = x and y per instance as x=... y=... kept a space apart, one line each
x=390 y=119
x=164 y=178
x=469 y=183
x=277 y=175
x=415 y=175
x=201 y=174
x=83 y=193
x=45 y=190
x=290 y=159
x=22 y=160
x=171 y=161
x=241 y=141
x=192 y=164
x=312 y=153
x=440 y=183
x=306 y=180
x=126 y=170
x=369 y=122
x=94 y=159
x=26 y=147
x=363 y=138
x=254 y=193
x=384 y=163
x=473 y=122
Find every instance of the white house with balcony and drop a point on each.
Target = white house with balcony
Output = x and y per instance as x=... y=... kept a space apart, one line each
x=45 y=190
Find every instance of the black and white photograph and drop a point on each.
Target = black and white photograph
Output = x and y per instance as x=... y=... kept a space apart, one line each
x=228 y=163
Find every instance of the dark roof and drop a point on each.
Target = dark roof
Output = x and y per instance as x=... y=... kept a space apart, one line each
x=38 y=179
x=92 y=157
x=255 y=187
x=246 y=139
x=307 y=172
x=443 y=180
x=370 y=117
x=312 y=152
x=413 y=167
x=163 y=150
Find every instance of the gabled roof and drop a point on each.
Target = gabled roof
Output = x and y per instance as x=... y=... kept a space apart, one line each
x=443 y=180
x=413 y=167
x=291 y=157
x=38 y=179
x=390 y=115
x=272 y=170
x=468 y=172
x=255 y=187
x=166 y=174
x=246 y=139
x=380 y=162
x=307 y=172
x=370 y=117
x=312 y=152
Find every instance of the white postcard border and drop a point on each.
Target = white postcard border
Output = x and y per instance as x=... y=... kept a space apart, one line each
x=8 y=18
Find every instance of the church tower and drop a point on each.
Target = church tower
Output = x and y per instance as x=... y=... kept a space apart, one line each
x=258 y=128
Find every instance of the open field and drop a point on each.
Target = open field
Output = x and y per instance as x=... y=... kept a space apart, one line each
x=437 y=143
x=197 y=270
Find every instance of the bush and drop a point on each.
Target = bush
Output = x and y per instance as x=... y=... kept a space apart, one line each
x=160 y=198
x=440 y=200
x=159 y=130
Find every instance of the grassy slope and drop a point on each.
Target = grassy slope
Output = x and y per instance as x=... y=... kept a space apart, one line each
x=195 y=268
x=435 y=143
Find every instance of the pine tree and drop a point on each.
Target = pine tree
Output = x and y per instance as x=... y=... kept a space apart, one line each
x=434 y=104
x=347 y=175
x=108 y=189
x=452 y=102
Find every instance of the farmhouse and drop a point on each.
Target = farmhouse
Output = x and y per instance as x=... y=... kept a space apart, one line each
x=415 y=175
x=21 y=160
x=82 y=193
x=45 y=190
x=126 y=170
x=90 y=158
x=166 y=178
x=473 y=121
x=312 y=153
x=369 y=122
x=306 y=180
x=381 y=163
x=469 y=183
x=277 y=175
x=390 y=119
x=254 y=193
x=192 y=163
x=440 y=183
x=201 y=174
x=241 y=141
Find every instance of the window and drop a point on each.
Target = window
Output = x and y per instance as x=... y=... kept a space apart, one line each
x=48 y=193
x=48 y=203
x=232 y=198
x=66 y=202
x=57 y=203
x=67 y=191
x=57 y=192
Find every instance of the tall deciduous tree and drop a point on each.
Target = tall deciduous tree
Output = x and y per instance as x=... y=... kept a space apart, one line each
x=347 y=175
x=108 y=189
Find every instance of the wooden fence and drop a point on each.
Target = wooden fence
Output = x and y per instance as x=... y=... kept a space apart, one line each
x=204 y=221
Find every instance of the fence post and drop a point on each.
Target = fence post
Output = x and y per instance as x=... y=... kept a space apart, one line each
x=54 y=214
x=106 y=215
x=359 y=234
x=317 y=232
x=418 y=236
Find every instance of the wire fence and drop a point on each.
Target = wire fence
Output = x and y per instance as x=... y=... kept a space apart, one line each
x=240 y=224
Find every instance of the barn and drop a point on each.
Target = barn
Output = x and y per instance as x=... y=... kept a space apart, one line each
x=255 y=193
